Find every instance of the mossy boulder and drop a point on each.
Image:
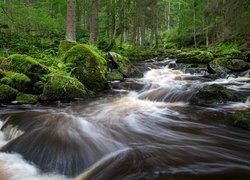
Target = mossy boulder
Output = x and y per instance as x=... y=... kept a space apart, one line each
x=89 y=67
x=15 y=80
x=24 y=64
x=241 y=119
x=196 y=57
x=124 y=66
x=26 y=98
x=7 y=93
x=213 y=94
x=115 y=75
x=65 y=45
x=61 y=86
x=223 y=66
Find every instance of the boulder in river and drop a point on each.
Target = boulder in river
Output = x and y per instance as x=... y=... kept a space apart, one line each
x=123 y=65
x=213 y=94
x=60 y=86
x=115 y=75
x=88 y=66
x=197 y=57
x=223 y=66
x=241 y=119
x=26 y=98
x=7 y=94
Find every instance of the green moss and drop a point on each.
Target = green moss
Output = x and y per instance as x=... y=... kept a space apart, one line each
x=195 y=57
x=124 y=66
x=63 y=86
x=26 y=99
x=115 y=75
x=7 y=93
x=229 y=64
x=16 y=80
x=24 y=64
x=241 y=119
x=21 y=63
x=89 y=67
x=64 y=46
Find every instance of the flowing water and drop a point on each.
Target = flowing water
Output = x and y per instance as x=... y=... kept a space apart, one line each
x=143 y=129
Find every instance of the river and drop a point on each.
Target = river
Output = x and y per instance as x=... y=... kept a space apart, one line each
x=142 y=129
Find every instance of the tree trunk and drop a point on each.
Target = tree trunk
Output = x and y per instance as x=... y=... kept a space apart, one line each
x=94 y=22
x=194 y=23
x=169 y=14
x=71 y=20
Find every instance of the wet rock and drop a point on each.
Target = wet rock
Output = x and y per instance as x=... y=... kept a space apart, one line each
x=241 y=119
x=124 y=66
x=61 y=86
x=247 y=57
x=133 y=85
x=222 y=66
x=213 y=94
x=89 y=67
x=26 y=98
x=7 y=93
x=115 y=75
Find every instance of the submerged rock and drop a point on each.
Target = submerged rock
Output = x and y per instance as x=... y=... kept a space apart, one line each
x=7 y=93
x=26 y=98
x=213 y=94
x=124 y=66
x=222 y=66
x=61 y=86
x=89 y=67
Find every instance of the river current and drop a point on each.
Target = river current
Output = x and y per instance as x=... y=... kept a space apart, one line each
x=141 y=129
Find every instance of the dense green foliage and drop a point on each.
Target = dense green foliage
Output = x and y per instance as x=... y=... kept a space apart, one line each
x=34 y=26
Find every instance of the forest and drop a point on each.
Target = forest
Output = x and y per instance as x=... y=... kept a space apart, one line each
x=124 y=89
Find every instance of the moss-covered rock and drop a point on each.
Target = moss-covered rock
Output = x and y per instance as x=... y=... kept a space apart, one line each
x=241 y=119
x=213 y=94
x=196 y=57
x=24 y=64
x=26 y=98
x=7 y=93
x=62 y=86
x=115 y=75
x=89 y=67
x=15 y=80
x=65 y=45
x=222 y=66
x=124 y=66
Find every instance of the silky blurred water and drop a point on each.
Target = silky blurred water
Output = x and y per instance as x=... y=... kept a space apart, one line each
x=135 y=132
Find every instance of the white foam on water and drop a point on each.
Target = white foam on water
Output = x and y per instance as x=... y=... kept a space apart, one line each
x=13 y=167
